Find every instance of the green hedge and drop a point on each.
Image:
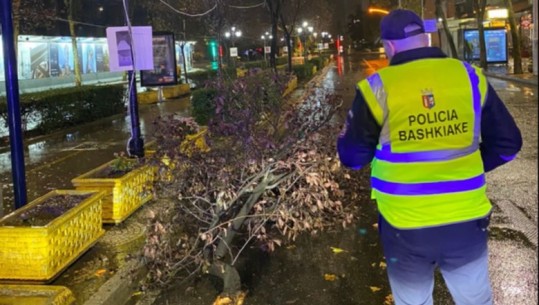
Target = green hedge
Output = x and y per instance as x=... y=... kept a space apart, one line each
x=303 y=72
x=200 y=77
x=203 y=106
x=255 y=64
x=59 y=108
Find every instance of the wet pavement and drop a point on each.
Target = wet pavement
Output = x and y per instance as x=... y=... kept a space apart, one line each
x=51 y=163
x=308 y=272
x=299 y=274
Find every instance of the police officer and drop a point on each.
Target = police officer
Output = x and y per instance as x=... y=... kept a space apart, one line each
x=430 y=126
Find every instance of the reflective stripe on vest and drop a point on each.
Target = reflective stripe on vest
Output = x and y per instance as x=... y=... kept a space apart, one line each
x=385 y=153
x=428 y=188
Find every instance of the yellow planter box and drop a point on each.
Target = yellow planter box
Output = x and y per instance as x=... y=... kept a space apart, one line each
x=151 y=96
x=291 y=85
x=124 y=194
x=147 y=97
x=241 y=72
x=176 y=90
x=41 y=253
x=35 y=295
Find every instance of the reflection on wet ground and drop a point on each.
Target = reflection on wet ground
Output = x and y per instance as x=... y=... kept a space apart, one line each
x=310 y=273
x=53 y=161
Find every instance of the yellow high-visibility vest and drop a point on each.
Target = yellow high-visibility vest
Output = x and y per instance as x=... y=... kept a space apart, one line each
x=427 y=169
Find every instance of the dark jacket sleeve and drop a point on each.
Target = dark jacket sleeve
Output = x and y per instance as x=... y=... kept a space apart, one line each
x=500 y=137
x=357 y=142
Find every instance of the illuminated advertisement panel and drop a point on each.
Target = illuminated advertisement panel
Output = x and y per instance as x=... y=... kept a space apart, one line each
x=495 y=41
x=164 y=60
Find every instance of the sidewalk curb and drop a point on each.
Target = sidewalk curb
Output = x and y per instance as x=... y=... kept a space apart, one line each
x=119 y=288
x=532 y=82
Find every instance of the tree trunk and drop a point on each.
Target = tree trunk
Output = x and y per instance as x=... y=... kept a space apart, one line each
x=515 y=37
x=289 y=46
x=227 y=272
x=479 y=7
x=275 y=10
x=78 y=77
x=440 y=13
x=16 y=4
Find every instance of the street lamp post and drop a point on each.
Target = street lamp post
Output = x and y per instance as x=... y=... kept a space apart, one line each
x=264 y=37
x=233 y=34
x=303 y=33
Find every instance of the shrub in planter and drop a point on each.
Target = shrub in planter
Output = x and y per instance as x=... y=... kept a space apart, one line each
x=303 y=72
x=127 y=182
x=42 y=238
x=318 y=62
x=203 y=105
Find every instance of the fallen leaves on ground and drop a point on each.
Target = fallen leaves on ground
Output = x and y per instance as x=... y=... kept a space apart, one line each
x=374 y=288
x=238 y=299
x=337 y=250
x=100 y=272
x=330 y=277
x=389 y=300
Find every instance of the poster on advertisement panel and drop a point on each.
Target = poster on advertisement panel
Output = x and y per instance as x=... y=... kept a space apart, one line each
x=495 y=41
x=123 y=45
x=65 y=59
x=164 y=71
x=39 y=58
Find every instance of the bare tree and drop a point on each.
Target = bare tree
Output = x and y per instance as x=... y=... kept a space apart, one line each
x=72 y=8
x=30 y=15
x=515 y=37
x=480 y=7
x=440 y=13
x=285 y=16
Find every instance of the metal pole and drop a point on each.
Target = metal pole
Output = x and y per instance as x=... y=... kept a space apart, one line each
x=182 y=46
x=422 y=9
x=183 y=54
x=14 y=113
x=534 y=39
x=135 y=144
x=264 y=49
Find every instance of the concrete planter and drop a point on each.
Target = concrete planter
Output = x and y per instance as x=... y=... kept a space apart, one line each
x=124 y=194
x=40 y=253
x=34 y=295
x=151 y=97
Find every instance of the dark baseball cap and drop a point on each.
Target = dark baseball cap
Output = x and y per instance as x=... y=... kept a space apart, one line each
x=393 y=25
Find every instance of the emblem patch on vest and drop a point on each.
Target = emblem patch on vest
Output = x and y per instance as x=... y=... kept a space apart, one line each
x=428 y=98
